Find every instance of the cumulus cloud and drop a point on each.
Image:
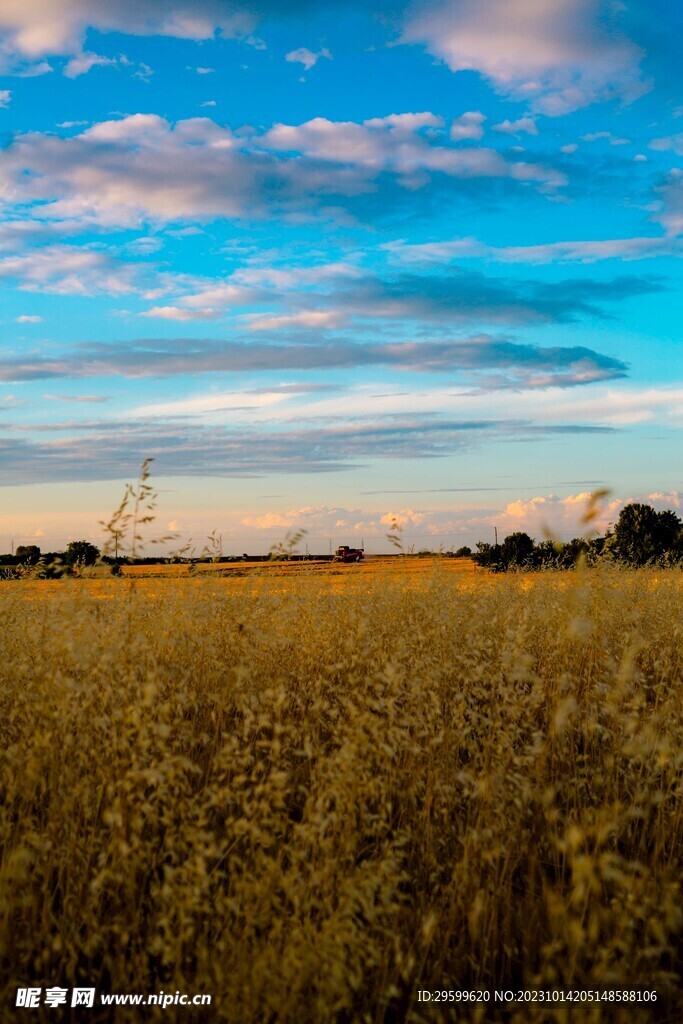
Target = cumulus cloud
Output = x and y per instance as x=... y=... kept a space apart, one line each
x=468 y=126
x=29 y=319
x=523 y=125
x=141 y=168
x=404 y=517
x=558 y=57
x=5 y=97
x=545 y=514
x=393 y=143
x=71 y=270
x=307 y=57
x=269 y=521
x=122 y=171
x=57 y=27
x=666 y=499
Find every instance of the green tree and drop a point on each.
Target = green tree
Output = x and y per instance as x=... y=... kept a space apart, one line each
x=28 y=553
x=516 y=549
x=486 y=554
x=642 y=535
x=81 y=552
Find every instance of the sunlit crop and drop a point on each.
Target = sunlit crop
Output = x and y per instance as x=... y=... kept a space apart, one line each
x=313 y=794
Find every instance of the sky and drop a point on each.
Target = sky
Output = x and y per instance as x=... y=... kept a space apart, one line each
x=333 y=265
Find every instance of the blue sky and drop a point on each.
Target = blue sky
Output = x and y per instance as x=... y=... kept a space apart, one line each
x=330 y=264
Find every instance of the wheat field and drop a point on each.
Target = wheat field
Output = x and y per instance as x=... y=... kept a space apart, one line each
x=313 y=796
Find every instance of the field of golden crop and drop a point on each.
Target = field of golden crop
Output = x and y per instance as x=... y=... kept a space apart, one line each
x=313 y=793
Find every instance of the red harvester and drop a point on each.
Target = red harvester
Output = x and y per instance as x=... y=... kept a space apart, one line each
x=347 y=554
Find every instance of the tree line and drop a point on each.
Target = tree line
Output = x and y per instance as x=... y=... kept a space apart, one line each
x=641 y=536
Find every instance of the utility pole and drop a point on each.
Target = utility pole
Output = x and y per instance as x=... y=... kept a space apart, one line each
x=495 y=528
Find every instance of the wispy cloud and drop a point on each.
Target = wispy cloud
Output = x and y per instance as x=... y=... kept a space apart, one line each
x=110 y=450
x=309 y=319
x=613 y=140
x=89 y=399
x=585 y=251
x=534 y=365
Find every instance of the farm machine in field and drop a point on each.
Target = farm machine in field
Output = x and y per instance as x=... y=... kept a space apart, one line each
x=346 y=554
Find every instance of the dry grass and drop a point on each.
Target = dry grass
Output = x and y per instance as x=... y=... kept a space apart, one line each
x=311 y=796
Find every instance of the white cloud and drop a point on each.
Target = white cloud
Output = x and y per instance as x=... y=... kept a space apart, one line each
x=562 y=517
x=571 y=147
x=83 y=62
x=29 y=319
x=5 y=97
x=468 y=126
x=269 y=521
x=315 y=519
x=40 y=28
x=97 y=399
x=176 y=313
x=404 y=517
x=225 y=403
x=307 y=57
x=144 y=72
x=602 y=405
x=525 y=125
x=205 y=71
x=670 y=211
x=41 y=67
x=70 y=270
x=140 y=168
x=614 y=140
x=588 y=251
x=666 y=499
x=293 y=276
x=208 y=103
x=557 y=56
x=309 y=320
x=672 y=143
x=393 y=143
